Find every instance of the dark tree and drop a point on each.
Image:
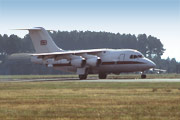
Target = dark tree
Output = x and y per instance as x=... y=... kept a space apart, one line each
x=75 y=40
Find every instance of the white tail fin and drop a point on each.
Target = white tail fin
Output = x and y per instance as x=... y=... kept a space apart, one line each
x=42 y=41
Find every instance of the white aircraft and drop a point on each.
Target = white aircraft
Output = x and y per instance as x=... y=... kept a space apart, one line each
x=84 y=62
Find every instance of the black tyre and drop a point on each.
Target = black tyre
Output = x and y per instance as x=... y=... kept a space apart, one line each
x=102 y=76
x=143 y=76
x=82 y=77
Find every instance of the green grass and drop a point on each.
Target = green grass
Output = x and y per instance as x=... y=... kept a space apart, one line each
x=89 y=101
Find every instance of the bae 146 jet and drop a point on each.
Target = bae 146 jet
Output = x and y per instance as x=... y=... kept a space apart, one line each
x=84 y=62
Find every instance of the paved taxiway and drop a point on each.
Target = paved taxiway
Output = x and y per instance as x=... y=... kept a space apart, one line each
x=89 y=80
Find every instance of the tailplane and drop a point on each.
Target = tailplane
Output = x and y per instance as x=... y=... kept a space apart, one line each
x=42 y=41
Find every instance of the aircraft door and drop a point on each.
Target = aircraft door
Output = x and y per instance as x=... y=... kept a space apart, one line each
x=121 y=57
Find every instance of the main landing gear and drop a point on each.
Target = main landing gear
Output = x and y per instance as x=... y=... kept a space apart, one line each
x=143 y=75
x=83 y=73
x=82 y=77
x=102 y=75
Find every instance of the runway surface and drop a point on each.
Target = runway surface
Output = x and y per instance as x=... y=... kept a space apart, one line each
x=89 y=80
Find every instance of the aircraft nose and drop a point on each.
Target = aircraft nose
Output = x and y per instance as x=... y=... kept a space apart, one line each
x=151 y=64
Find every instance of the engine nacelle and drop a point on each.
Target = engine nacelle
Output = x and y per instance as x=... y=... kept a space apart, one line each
x=62 y=61
x=94 y=61
x=79 y=62
x=51 y=62
x=36 y=60
x=50 y=65
x=48 y=62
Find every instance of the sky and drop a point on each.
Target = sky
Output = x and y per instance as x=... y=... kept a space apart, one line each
x=159 y=18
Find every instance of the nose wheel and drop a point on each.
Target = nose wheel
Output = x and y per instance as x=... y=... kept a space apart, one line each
x=143 y=75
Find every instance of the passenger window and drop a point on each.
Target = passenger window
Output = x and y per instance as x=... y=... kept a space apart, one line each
x=135 y=56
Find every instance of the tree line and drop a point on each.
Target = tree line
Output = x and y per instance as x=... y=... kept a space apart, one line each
x=150 y=46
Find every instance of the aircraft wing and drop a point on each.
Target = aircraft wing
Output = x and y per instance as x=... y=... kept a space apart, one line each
x=158 y=70
x=68 y=54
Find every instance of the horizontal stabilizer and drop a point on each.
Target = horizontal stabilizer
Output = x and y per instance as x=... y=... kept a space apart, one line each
x=28 y=29
x=35 y=28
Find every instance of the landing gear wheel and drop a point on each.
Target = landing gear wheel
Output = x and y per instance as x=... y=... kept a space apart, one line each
x=143 y=76
x=102 y=76
x=82 y=77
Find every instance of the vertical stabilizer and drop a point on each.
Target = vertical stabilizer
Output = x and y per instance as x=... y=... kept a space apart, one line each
x=42 y=41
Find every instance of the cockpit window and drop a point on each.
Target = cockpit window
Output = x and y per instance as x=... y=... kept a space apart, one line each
x=140 y=56
x=135 y=56
x=132 y=56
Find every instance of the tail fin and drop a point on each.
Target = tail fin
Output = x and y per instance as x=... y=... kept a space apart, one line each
x=42 y=41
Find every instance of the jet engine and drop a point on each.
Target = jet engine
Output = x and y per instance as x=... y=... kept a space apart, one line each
x=49 y=62
x=94 y=61
x=62 y=61
x=36 y=60
x=79 y=62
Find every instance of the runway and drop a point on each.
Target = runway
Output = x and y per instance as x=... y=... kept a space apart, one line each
x=133 y=80
x=88 y=80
